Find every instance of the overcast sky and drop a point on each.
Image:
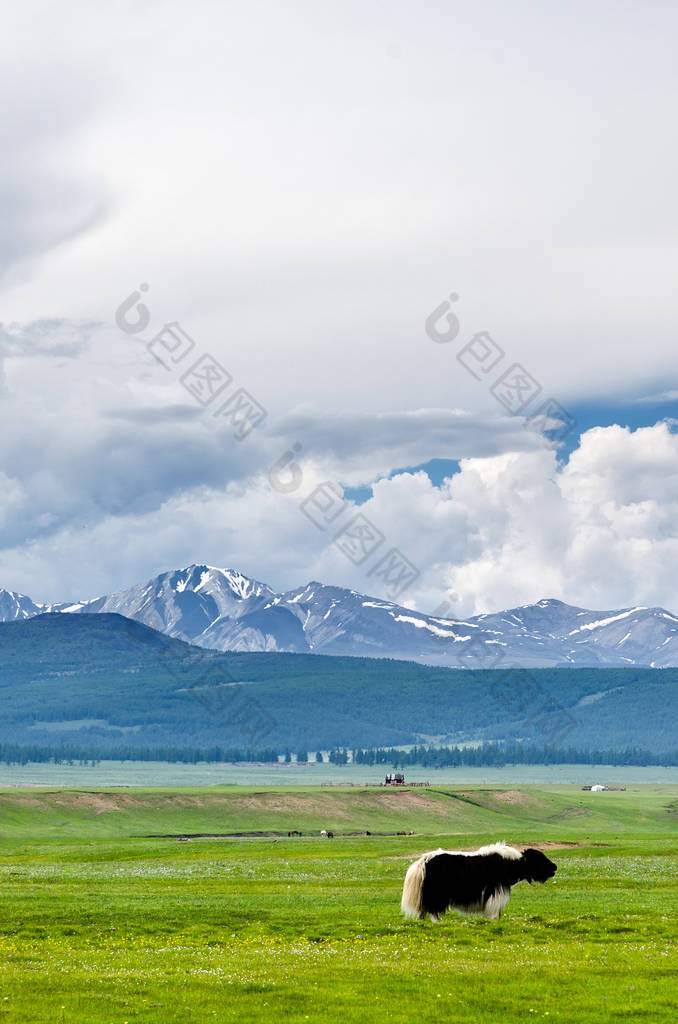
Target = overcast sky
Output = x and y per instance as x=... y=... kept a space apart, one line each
x=302 y=188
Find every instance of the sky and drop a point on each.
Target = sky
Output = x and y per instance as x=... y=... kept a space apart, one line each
x=420 y=263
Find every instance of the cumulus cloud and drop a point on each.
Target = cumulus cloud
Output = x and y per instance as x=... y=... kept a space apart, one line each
x=507 y=529
x=599 y=531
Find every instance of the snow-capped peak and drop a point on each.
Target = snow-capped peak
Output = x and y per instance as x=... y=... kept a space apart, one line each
x=225 y=609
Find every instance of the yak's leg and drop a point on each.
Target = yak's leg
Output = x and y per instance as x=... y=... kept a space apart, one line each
x=434 y=918
x=495 y=904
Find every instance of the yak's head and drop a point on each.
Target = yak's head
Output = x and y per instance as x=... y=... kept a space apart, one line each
x=536 y=866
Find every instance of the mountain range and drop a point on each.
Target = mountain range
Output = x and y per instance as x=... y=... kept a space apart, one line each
x=224 y=610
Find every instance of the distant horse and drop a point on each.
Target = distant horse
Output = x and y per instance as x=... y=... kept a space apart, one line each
x=473 y=883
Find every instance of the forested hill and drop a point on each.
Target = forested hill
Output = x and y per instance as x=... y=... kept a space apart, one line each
x=102 y=680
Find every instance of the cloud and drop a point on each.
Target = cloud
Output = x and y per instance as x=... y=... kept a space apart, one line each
x=46 y=197
x=599 y=531
x=92 y=427
x=660 y=398
x=393 y=185
x=49 y=338
x=358 y=448
x=165 y=414
x=310 y=281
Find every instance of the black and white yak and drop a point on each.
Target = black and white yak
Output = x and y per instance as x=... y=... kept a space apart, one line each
x=478 y=882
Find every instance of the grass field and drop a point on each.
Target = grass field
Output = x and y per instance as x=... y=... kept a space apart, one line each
x=100 y=923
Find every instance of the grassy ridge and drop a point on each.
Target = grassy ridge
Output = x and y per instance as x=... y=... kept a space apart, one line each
x=100 y=926
x=555 y=810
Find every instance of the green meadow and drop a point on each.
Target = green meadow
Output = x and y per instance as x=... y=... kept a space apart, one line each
x=107 y=917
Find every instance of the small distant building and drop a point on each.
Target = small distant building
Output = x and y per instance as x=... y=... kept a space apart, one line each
x=598 y=789
x=395 y=779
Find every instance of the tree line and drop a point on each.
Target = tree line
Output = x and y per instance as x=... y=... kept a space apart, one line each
x=12 y=753
x=501 y=754
x=487 y=755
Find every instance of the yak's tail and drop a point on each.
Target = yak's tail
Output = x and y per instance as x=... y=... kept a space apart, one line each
x=412 y=904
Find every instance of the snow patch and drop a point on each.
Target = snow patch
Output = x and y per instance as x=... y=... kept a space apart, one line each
x=422 y=624
x=606 y=622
